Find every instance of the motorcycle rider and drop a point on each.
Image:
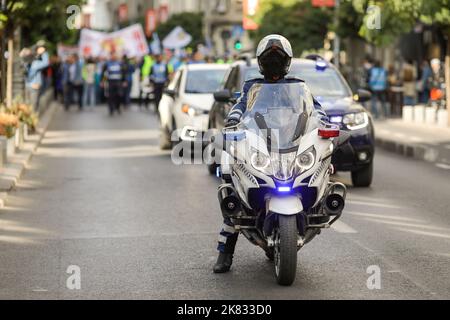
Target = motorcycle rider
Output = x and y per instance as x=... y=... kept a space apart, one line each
x=274 y=56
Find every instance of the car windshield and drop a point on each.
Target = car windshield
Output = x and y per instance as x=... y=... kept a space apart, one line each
x=204 y=81
x=325 y=83
x=279 y=113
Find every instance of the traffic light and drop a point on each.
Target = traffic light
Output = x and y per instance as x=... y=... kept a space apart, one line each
x=238 y=45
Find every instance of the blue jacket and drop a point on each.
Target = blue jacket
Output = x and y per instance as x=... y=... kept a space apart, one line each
x=34 y=76
x=159 y=73
x=241 y=106
x=378 y=79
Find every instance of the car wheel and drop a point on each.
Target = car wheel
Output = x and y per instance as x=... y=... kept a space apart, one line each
x=363 y=177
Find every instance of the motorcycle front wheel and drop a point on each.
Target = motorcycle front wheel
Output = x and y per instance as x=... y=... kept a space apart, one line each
x=285 y=256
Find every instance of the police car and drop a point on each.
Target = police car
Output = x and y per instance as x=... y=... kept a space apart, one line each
x=329 y=87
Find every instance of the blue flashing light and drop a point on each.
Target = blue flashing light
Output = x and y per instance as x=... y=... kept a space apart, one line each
x=336 y=119
x=284 y=189
x=235 y=136
x=321 y=65
x=218 y=172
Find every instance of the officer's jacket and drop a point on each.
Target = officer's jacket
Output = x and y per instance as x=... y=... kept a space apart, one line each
x=241 y=106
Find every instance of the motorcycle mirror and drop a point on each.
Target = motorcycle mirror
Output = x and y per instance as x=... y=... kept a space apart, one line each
x=222 y=96
x=363 y=95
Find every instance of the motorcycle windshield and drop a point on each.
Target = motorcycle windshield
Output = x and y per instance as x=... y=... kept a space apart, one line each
x=279 y=113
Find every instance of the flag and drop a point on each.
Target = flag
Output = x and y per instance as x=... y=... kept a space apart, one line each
x=155 y=45
x=177 y=38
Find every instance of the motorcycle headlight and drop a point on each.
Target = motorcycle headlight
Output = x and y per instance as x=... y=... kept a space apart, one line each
x=355 y=121
x=260 y=162
x=306 y=160
x=282 y=164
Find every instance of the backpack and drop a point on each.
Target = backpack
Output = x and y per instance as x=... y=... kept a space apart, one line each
x=408 y=74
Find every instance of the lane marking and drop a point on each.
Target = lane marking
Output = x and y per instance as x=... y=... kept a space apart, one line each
x=425 y=233
x=342 y=227
x=443 y=166
x=406 y=224
x=382 y=216
x=382 y=205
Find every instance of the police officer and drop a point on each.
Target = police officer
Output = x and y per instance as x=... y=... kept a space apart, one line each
x=115 y=74
x=274 y=55
x=159 y=76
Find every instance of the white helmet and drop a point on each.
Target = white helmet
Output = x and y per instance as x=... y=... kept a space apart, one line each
x=274 y=55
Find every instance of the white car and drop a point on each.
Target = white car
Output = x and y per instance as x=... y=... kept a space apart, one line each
x=186 y=102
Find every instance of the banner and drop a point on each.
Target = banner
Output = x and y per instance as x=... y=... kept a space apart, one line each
x=151 y=22
x=129 y=41
x=155 y=45
x=66 y=51
x=163 y=13
x=250 y=8
x=177 y=38
x=322 y=3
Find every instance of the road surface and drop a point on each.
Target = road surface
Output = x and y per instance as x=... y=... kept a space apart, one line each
x=101 y=196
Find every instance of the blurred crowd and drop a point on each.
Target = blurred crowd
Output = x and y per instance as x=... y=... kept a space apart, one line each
x=86 y=82
x=403 y=84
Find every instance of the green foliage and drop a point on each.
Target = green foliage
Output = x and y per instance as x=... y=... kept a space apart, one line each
x=305 y=26
x=397 y=17
x=40 y=19
x=436 y=12
x=191 y=22
x=400 y=16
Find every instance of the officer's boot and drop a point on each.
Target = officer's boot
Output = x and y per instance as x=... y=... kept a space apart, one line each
x=225 y=258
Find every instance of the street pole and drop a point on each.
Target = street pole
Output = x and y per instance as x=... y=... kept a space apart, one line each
x=447 y=77
x=337 y=40
x=2 y=59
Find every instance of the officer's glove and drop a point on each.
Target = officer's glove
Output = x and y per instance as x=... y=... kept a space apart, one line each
x=231 y=122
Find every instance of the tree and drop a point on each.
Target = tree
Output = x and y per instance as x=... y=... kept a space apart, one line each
x=39 y=19
x=304 y=25
x=396 y=17
x=191 y=22
x=400 y=16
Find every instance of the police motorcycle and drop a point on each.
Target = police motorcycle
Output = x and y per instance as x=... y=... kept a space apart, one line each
x=276 y=167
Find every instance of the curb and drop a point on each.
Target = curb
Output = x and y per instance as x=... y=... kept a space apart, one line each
x=411 y=150
x=17 y=163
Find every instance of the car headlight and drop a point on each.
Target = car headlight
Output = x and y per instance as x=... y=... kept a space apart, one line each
x=260 y=162
x=306 y=160
x=355 y=121
x=192 y=111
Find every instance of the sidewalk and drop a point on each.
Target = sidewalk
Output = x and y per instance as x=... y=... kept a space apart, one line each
x=421 y=142
x=11 y=172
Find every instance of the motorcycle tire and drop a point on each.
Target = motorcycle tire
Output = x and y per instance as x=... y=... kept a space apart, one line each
x=286 y=250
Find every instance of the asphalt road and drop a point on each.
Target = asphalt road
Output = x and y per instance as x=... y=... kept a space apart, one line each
x=100 y=195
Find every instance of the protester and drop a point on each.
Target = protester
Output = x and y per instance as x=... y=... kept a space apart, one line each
x=159 y=76
x=35 y=62
x=88 y=73
x=436 y=83
x=422 y=84
x=74 y=83
x=409 y=76
x=129 y=67
x=99 y=89
x=364 y=73
x=145 y=67
x=378 y=84
x=395 y=91
x=56 y=75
